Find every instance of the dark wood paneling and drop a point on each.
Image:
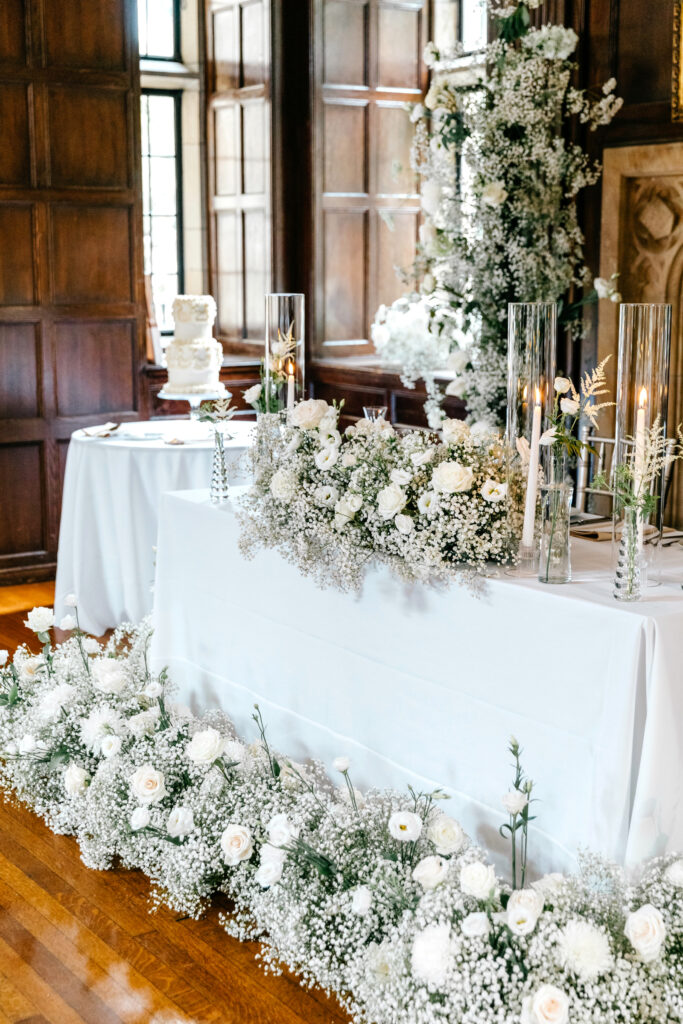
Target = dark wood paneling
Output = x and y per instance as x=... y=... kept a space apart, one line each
x=97 y=156
x=106 y=356
x=17 y=261
x=15 y=159
x=20 y=371
x=92 y=248
x=87 y=34
x=12 y=32
x=21 y=521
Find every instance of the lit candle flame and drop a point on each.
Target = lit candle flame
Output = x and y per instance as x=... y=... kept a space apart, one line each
x=642 y=400
x=538 y=396
x=290 y=368
x=526 y=388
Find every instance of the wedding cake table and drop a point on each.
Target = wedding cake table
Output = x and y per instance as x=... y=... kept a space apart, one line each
x=424 y=686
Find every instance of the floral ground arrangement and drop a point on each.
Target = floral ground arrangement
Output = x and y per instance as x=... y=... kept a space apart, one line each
x=429 y=506
x=379 y=898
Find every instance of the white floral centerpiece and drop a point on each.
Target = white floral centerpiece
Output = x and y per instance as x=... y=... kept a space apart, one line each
x=429 y=506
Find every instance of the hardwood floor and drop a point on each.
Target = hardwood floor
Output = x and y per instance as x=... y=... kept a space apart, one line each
x=78 y=945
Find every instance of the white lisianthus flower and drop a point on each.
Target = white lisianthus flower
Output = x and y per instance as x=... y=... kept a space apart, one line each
x=109 y=675
x=428 y=502
x=476 y=925
x=153 y=690
x=422 y=458
x=454 y=431
x=447 y=835
x=361 y=901
x=400 y=477
x=457 y=362
x=432 y=954
x=549 y=1005
x=349 y=460
x=281 y=831
x=4 y=656
x=283 y=485
x=308 y=414
x=452 y=478
x=646 y=931
x=270 y=867
x=40 y=620
x=237 y=844
x=180 y=822
x=341 y=764
x=75 y=780
x=405 y=826
x=390 y=500
x=603 y=287
x=404 y=524
x=139 y=819
x=67 y=623
x=674 y=873
x=252 y=394
x=562 y=385
x=326 y=495
x=205 y=747
x=549 y=886
x=110 y=745
x=515 y=801
x=70 y=601
x=90 y=645
x=523 y=911
x=326 y=458
x=430 y=872
x=148 y=785
x=477 y=879
x=329 y=437
x=569 y=406
x=494 y=194
x=585 y=950
x=493 y=491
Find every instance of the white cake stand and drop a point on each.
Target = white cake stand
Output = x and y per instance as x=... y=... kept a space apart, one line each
x=195 y=399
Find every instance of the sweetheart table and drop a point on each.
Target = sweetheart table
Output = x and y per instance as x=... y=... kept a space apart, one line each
x=425 y=685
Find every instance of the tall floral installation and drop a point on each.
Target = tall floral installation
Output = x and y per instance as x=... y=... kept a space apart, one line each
x=500 y=179
x=379 y=898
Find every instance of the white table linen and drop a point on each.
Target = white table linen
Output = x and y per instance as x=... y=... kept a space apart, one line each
x=426 y=685
x=110 y=509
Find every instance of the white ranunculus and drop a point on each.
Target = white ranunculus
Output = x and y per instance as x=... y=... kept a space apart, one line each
x=585 y=950
x=67 y=623
x=493 y=491
x=110 y=745
x=477 y=879
x=603 y=287
x=400 y=477
x=349 y=460
x=361 y=901
x=70 y=601
x=180 y=822
x=4 y=657
x=139 y=818
x=405 y=826
x=430 y=872
x=476 y=925
x=457 y=362
x=341 y=764
x=54 y=700
x=326 y=458
x=108 y=675
x=432 y=954
x=550 y=885
x=452 y=477
x=205 y=747
x=281 y=831
x=454 y=431
x=422 y=458
x=523 y=910
x=40 y=620
x=252 y=394
x=674 y=873
x=404 y=524
x=390 y=500
x=272 y=862
x=309 y=413
x=237 y=844
x=428 y=502
x=549 y=1005
x=447 y=834
x=283 y=485
x=562 y=385
x=514 y=802
x=569 y=406
x=75 y=780
x=144 y=723
x=148 y=785
x=90 y=645
x=494 y=194
x=646 y=931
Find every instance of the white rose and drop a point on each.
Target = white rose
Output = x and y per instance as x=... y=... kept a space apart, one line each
x=309 y=413
x=361 y=901
x=252 y=394
x=281 y=831
x=400 y=477
x=390 y=500
x=493 y=491
x=452 y=477
x=602 y=287
x=562 y=385
x=205 y=747
x=476 y=925
x=108 y=675
x=432 y=954
x=430 y=872
x=454 y=431
x=270 y=868
x=237 y=844
x=457 y=361
x=646 y=931
x=405 y=826
x=523 y=911
x=428 y=502
x=494 y=194
x=341 y=764
x=349 y=460
x=90 y=645
x=477 y=879
x=139 y=819
x=180 y=822
x=110 y=745
x=326 y=458
x=70 y=601
x=446 y=834
x=75 y=780
x=40 y=620
x=674 y=873
x=514 y=802
x=549 y=1005
x=67 y=623
x=153 y=690
x=422 y=458
x=283 y=485
x=148 y=785
x=550 y=885
x=569 y=406
x=404 y=524
x=585 y=950
x=4 y=656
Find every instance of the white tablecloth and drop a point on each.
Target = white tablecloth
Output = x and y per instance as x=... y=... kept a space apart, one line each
x=110 y=511
x=426 y=686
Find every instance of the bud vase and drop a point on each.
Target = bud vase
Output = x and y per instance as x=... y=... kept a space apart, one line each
x=219 y=470
x=556 y=499
x=630 y=564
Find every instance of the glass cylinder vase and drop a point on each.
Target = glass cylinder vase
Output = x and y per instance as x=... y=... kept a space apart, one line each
x=556 y=500
x=630 y=569
x=285 y=356
x=532 y=333
x=219 y=470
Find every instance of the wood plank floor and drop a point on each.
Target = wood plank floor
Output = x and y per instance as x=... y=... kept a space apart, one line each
x=80 y=946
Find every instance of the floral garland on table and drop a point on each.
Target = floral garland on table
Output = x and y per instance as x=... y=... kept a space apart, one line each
x=430 y=508
x=379 y=898
x=500 y=182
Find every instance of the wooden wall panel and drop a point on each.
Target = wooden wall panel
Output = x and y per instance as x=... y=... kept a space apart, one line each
x=15 y=158
x=17 y=273
x=106 y=355
x=12 y=32
x=88 y=34
x=20 y=369
x=21 y=521
x=97 y=156
x=93 y=250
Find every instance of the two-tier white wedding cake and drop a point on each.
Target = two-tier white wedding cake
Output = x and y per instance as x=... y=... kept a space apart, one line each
x=194 y=356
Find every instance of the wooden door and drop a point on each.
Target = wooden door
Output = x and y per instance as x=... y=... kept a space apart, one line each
x=71 y=302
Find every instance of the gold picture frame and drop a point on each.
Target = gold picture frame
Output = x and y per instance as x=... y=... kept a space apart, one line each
x=677 y=83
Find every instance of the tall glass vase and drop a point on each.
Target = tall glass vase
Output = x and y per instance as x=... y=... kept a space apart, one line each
x=285 y=363
x=219 y=470
x=629 y=570
x=556 y=500
x=532 y=331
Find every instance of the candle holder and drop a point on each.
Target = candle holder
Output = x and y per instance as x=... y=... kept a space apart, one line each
x=532 y=331
x=642 y=403
x=284 y=357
